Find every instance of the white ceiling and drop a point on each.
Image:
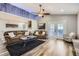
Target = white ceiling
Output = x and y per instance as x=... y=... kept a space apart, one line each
x=52 y=8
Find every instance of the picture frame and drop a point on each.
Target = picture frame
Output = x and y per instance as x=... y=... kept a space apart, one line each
x=11 y=25
x=29 y=24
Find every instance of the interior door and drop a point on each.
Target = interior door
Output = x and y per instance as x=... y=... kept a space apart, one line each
x=55 y=30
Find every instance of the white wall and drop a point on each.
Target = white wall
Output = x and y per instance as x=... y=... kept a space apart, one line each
x=69 y=22
x=78 y=24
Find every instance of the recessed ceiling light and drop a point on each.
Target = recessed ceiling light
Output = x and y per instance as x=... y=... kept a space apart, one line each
x=62 y=10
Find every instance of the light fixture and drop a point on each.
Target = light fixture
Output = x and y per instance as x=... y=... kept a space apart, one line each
x=41 y=12
x=62 y=10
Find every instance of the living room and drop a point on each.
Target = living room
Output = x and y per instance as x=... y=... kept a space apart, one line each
x=17 y=23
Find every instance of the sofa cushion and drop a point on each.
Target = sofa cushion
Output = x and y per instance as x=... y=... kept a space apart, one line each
x=37 y=33
x=11 y=34
x=43 y=33
x=26 y=33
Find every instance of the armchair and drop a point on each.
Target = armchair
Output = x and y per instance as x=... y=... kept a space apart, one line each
x=69 y=37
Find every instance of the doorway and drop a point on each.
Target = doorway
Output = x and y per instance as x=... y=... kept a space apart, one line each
x=55 y=30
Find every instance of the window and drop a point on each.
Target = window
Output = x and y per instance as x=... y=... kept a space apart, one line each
x=56 y=30
x=51 y=32
x=60 y=30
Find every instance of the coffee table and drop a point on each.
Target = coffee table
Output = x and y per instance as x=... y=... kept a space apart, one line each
x=26 y=38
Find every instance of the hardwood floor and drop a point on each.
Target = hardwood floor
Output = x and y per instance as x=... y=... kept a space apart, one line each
x=58 y=48
x=52 y=48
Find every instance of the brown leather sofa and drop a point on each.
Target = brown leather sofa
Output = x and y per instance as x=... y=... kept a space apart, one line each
x=11 y=40
x=41 y=34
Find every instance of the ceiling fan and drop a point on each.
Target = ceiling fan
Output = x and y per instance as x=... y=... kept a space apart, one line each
x=41 y=12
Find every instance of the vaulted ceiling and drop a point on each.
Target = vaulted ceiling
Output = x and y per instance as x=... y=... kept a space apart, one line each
x=52 y=8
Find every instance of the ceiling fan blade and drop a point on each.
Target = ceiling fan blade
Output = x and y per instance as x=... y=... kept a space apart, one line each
x=46 y=13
